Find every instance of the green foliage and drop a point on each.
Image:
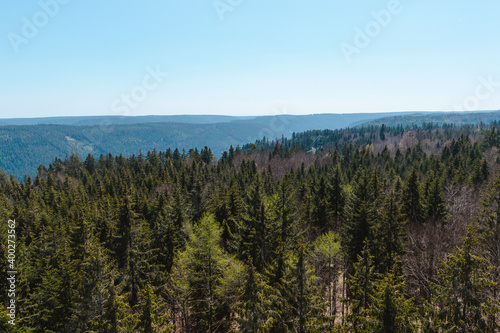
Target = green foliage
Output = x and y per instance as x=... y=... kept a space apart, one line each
x=206 y=278
x=436 y=208
x=360 y=285
x=336 y=196
x=154 y=317
x=297 y=306
x=358 y=229
x=461 y=301
x=390 y=310
x=149 y=242
x=327 y=256
x=412 y=205
x=390 y=235
x=255 y=310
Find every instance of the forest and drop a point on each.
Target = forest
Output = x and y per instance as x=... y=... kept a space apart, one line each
x=367 y=229
x=26 y=143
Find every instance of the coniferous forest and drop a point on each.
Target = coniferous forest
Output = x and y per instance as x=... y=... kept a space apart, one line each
x=366 y=229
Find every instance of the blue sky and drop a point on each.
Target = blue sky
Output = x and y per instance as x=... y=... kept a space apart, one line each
x=247 y=57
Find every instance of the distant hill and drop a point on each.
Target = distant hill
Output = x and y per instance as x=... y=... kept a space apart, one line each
x=121 y=120
x=439 y=118
x=306 y=121
x=27 y=143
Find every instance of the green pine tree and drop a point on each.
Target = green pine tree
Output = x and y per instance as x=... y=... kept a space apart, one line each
x=390 y=311
x=462 y=302
x=412 y=206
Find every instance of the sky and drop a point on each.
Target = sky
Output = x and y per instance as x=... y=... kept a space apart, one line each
x=247 y=57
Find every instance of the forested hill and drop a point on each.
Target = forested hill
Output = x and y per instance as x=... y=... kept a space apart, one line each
x=436 y=118
x=121 y=120
x=311 y=120
x=24 y=147
x=375 y=229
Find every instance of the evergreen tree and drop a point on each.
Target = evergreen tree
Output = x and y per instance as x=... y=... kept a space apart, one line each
x=360 y=286
x=121 y=244
x=487 y=223
x=298 y=308
x=411 y=206
x=382 y=132
x=390 y=311
x=436 y=208
x=255 y=312
x=154 y=317
x=319 y=214
x=255 y=231
x=336 y=197
x=327 y=257
x=461 y=297
x=358 y=227
x=283 y=209
x=198 y=272
x=390 y=235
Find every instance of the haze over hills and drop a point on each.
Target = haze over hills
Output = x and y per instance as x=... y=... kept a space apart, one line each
x=121 y=120
x=27 y=143
x=436 y=118
x=313 y=119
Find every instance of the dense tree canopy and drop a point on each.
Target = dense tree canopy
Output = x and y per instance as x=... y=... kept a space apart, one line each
x=368 y=232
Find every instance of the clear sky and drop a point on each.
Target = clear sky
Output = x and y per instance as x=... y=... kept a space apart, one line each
x=247 y=57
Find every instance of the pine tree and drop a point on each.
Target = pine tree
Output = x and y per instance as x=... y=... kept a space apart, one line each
x=360 y=285
x=487 y=223
x=327 y=257
x=382 y=132
x=55 y=298
x=255 y=312
x=283 y=209
x=462 y=300
x=154 y=316
x=97 y=274
x=298 y=306
x=336 y=197
x=390 y=311
x=390 y=235
x=358 y=228
x=436 y=208
x=197 y=274
x=411 y=206
x=319 y=214
x=255 y=231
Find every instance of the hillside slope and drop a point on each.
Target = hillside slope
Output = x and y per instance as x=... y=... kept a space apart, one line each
x=24 y=148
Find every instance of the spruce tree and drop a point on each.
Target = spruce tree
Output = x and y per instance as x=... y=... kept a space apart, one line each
x=390 y=311
x=336 y=197
x=360 y=286
x=487 y=223
x=198 y=274
x=462 y=302
x=390 y=235
x=255 y=311
x=327 y=256
x=436 y=207
x=411 y=206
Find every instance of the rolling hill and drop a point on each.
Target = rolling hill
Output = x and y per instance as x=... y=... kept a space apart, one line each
x=27 y=143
